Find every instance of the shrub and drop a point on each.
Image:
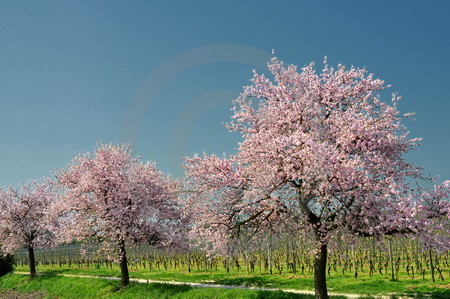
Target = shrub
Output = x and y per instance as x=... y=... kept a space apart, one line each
x=6 y=264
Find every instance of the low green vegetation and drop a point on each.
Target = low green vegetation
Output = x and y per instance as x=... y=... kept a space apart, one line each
x=376 y=285
x=52 y=286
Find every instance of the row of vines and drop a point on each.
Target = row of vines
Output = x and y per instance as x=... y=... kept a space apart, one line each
x=394 y=257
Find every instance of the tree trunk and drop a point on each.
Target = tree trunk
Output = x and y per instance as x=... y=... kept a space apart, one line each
x=124 y=275
x=32 y=262
x=431 y=266
x=355 y=264
x=391 y=261
x=189 y=261
x=320 y=272
x=269 y=259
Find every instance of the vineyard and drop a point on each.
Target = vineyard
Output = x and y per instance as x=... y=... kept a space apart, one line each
x=388 y=258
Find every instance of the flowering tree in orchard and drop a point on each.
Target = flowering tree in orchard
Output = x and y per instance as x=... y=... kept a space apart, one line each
x=27 y=218
x=322 y=152
x=116 y=199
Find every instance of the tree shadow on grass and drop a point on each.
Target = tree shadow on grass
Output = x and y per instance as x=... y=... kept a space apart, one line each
x=281 y=295
x=437 y=294
x=48 y=274
x=287 y=295
x=171 y=289
x=152 y=290
x=245 y=281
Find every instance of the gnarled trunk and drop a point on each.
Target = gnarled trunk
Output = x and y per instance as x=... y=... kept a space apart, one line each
x=124 y=275
x=320 y=272
x=320 y=260
x=32 y=262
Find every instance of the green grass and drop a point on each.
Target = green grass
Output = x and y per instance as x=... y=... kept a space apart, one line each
x=337 y=282
x=52 y=286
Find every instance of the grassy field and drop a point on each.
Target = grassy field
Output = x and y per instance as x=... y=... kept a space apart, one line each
x=337 y=283
x=51 y=286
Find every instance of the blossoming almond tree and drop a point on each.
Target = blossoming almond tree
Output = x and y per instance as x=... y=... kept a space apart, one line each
x=118 y=200
x=27 y=218
x=324 y=151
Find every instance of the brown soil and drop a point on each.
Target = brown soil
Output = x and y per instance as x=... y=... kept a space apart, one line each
x=11 y=294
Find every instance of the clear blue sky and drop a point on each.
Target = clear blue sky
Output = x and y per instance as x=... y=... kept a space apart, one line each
x=163 y=73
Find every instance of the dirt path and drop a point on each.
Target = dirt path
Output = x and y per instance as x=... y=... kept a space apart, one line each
x=219 y=286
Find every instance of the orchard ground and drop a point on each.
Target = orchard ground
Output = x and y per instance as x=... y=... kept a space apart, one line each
x=364 y=285
x=52 y=286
